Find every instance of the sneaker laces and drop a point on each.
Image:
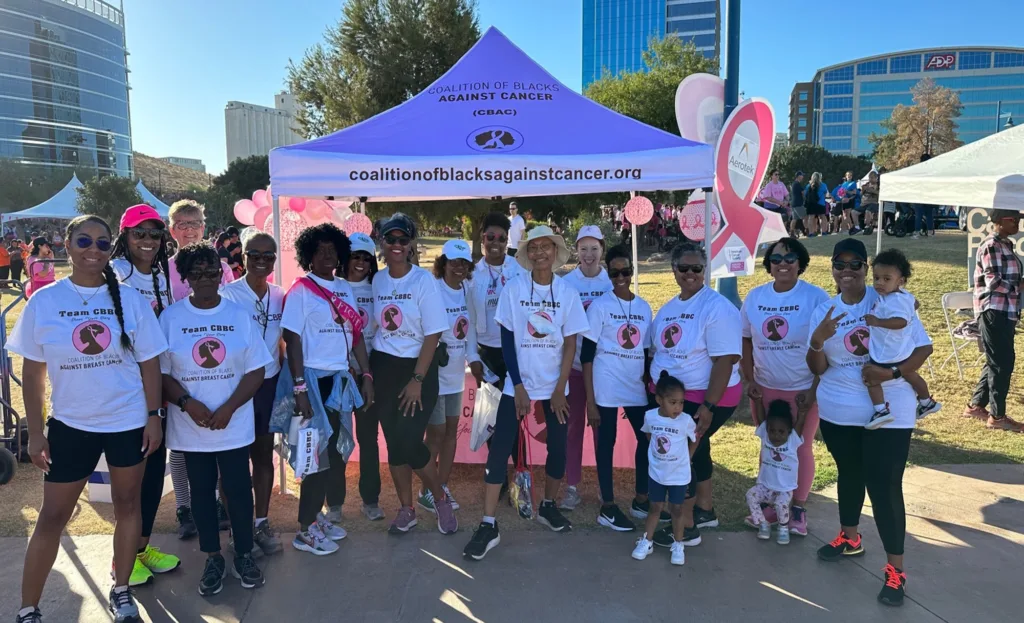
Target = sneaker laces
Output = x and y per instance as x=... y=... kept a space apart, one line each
x=839 y=540
x=122 y=599
x=247 y=565
x=894 y=579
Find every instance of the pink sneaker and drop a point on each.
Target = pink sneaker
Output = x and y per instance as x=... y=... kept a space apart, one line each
x=798 y=521
x=404 y=521
x=447 y=523
x=769 y=515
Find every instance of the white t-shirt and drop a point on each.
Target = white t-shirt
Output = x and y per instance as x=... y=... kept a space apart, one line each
x=96 y=387
x=669 y=452
x=541 y=317
x=459 y=337
x=779 y=325
x=209 y=351
x=619 y=360
x=687 y=334
x=180 y=289
x=779 y=464
x=408 y=309
x=589 y=288
x=516 y=231
x=273 y=306
x=486 y=287
x=842 y=396
x=363 y=292
x=326 y=338
x=892 y=346
x=142 y=283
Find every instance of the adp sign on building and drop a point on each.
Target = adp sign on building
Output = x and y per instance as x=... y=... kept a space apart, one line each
x=944 y=60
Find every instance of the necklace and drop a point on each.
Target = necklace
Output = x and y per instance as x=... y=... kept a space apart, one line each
x=542 y=301
x=85 y=301
x=494 y=278
x=629 y=314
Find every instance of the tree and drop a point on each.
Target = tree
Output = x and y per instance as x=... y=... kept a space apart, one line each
x=649 y=96
x=244 y=176
x=812 y=158
x=381 y=53
x=108 y=197
x=927 y=127
x=27 y=185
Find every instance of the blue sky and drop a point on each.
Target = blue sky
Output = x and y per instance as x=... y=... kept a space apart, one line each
x=190 y=57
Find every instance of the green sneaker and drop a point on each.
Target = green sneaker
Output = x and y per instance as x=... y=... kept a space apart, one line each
x=426 y=502
x=140 y=574
x=156 y=561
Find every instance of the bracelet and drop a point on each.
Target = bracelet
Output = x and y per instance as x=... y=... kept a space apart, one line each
x=299 y=389
x=367 y=375
x=816 y=350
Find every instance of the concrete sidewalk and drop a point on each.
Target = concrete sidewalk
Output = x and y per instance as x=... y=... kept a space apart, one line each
x=965 y=557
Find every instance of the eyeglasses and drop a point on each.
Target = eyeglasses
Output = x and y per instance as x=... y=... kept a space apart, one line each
x=262 y=316
x=189 y=224
x=399 y=240
x=622 y=272
x=496 y=237
x=141 y=233
x=269 y=256
x=84 y=242
x=209 y=273
x=689 y=268
x=789 y=258
x=852 y=265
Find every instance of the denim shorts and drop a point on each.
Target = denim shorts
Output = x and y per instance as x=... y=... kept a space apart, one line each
x=676 y=494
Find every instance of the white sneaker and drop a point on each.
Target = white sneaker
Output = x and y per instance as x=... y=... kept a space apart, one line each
x=314 y=542
x=331 y=531
x=570 y=500
x=643 y=548
x=783 y=538
x=764 y=531
x=455 y=505
x=678 y=555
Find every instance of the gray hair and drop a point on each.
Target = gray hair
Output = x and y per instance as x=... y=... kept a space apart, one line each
x=687 y=247
x=250 y=234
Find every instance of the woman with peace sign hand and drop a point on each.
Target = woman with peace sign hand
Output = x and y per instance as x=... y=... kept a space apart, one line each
x=865 y=459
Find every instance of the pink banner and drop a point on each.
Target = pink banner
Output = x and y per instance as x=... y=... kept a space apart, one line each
x=625 y=442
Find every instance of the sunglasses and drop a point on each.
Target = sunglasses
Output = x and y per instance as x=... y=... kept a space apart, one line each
x=84 y=242
x=689 y=268
x=361 y=256
x=402 y=241
x=496 y=237
x=622 y=272
x=852 y=265
x=209 y=273
x=270 y=256
x=141 y=233
x=190 y=224
x=789 y=258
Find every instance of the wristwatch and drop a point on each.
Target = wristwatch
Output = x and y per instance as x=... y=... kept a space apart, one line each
x=160 y=413
x=182 y=401
x=418 y=378
x=896 y=374
x=710 y=405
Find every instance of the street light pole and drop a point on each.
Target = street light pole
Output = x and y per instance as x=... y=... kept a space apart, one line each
x=727 y=286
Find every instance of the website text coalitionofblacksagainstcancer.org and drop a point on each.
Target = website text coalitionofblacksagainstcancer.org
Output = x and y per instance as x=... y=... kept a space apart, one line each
x=476 y=174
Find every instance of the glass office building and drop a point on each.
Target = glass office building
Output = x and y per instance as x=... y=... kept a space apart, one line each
x=849 y=101
x=64 y=86
x=616 y=32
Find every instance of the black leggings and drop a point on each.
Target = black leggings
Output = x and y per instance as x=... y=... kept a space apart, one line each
x=606 y=434
x=153 y=486
x=872 y=460
x=237 y=482
x=404 y=435
x=492 y=358
x=367 y=425
x=328 y=484
x=505 y=436
x=701 y=461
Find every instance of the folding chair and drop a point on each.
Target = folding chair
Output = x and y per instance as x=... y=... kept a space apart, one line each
x=951 y=303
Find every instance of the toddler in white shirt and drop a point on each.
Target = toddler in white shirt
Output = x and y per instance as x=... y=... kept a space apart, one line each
x=780 y=467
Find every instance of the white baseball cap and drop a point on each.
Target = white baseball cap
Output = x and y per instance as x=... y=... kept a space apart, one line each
x=457 y=250
x=362 y=242
x=589 y=231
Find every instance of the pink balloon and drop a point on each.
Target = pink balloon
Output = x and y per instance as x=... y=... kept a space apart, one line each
x=297 y=204
x=245 y=211
x=358 y=223
x=317 y=209
x=639 y=210
x=259 y=197
x=261 y=217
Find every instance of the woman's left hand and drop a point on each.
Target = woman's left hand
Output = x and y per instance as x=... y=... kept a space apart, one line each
x=560 y=407
x=411 y=398
x=152 y=435
x=367 y=391
x=704 y=417
x=477 y=369
x=875 y=375
x=221 y=419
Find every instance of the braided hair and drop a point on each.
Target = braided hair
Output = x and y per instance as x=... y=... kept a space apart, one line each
x=113 y=285
x=160 y=266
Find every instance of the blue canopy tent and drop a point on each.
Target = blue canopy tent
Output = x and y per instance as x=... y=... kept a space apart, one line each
x=60 y=206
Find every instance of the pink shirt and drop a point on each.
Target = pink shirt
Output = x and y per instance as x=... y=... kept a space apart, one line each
x=775 y=192
x=180 y=289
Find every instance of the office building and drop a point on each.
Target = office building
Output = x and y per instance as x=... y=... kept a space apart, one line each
x=64 y=86
x=616 y=32
x=189 y=163
x=253 y=130
x=845 y=103
x=781 y=140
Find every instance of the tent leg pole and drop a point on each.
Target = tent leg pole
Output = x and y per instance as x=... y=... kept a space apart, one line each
x=709 y=196
x=636 y=267
x=278 y=276
x=879 y=220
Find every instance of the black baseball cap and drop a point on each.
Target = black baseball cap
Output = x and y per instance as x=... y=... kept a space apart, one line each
x=850 y=245
x=399 y=222
x=798 y=174
x=999 y=214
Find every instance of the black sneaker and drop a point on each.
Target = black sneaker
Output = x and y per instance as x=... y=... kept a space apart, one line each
x=222 y=516
x=485 y=538
x=611 y=517
x=841 y=547
x=640 y=510
x=880 y=418
x=895 y=587
x=213 y=576
x=186 y=525
x=34 y=616
x=122 y=606
x=550 y=516
x=703 y=518
x=665 y=538
x=245 y=569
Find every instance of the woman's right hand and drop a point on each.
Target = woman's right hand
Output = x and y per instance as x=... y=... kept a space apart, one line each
x=39 y=451
x=199 y=412
x=302 y=406
x=754 y=391
x=826 y=328
x=522 y=402
x=593 y=415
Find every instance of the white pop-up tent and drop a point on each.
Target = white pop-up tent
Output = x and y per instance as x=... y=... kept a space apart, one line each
x=60 y=206
x=150 y=199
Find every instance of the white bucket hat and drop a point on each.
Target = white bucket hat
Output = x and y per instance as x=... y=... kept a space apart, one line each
x=589 y=231
x=538 y=232
x=457 y=250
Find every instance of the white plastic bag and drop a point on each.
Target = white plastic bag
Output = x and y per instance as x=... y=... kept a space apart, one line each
x=485 y=413
x=307 y=457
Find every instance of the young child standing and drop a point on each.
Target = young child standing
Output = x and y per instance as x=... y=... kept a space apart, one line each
x=672 y=442
x=780 y=467
x=889 y=344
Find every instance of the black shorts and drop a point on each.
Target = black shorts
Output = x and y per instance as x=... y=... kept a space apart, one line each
x=836 y=210
x=263 y=404
x=75 y=453
x=815 y=210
